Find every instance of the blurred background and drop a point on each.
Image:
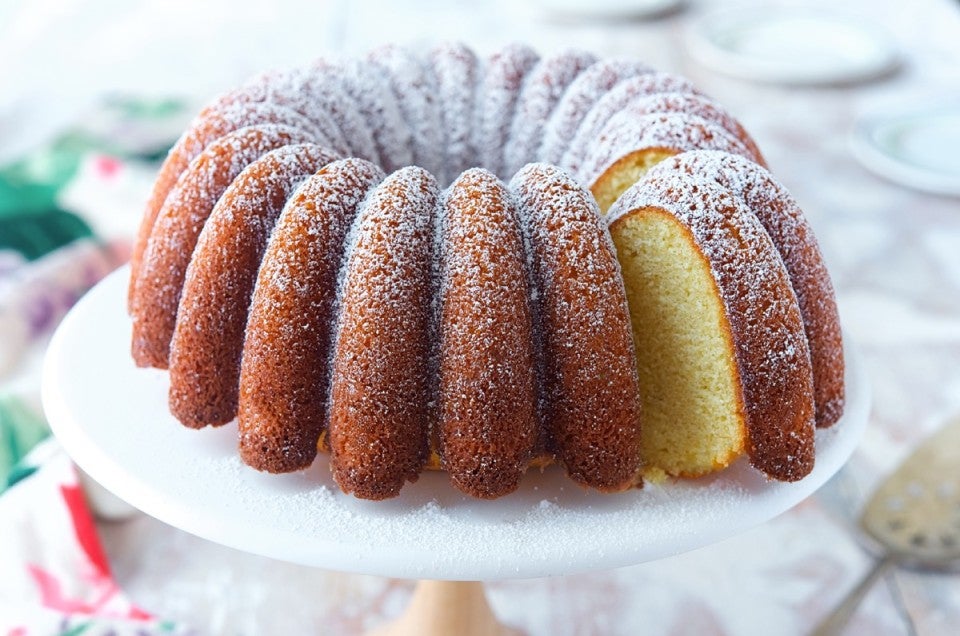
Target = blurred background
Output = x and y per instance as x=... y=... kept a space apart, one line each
x=856 y=106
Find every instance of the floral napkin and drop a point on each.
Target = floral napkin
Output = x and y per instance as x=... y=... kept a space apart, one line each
x=67 y=213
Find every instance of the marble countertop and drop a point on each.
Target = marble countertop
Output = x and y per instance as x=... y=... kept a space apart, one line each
x=894 y=256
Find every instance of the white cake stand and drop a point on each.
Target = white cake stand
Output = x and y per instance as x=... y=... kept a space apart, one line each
x=112 y=418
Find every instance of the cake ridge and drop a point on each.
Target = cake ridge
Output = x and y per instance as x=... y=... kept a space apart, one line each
x=455 y=70
x=382 y=113
x=589 y=390
x=206 y=347
x=285 y=371
x=377 y=416
x=497 y=96
x=486 y=398
x=542 y=89
x=412 y=86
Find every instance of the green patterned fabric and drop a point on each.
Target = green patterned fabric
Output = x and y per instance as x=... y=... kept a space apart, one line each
x=68 y=212
x=20 y=429
x=50 y=255
x=30 y=220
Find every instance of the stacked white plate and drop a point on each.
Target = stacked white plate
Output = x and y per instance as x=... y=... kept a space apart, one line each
x=916 y=147
x=792 y=46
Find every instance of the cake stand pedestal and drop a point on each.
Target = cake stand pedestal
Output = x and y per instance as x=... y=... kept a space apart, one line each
x=112 y=418
x=447 y=607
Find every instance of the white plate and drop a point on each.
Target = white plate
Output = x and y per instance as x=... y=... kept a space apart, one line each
x=791 y=46
x=915 y=148
x=608 y=9
x=113 y=420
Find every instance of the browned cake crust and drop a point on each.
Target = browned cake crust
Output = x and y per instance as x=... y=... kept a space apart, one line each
x=497 y=95
x=208 y=339
x=766 y=328
x=487 y=393
x=615 y=101
x=456 y=73
x=237 y=109
x=590 y=405
x=697 y=106
x=156 y=293
x=380 y=388
x=626 y=135
x=285 y=372
x=794 y=239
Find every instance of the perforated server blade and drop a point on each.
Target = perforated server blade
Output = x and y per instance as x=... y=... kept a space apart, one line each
x=914 y=515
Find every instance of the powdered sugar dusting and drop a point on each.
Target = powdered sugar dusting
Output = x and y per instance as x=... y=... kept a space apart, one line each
x=348 y=98
x=456 y=74
x=302 y=90
x=627 y=133
x=542 y=89
x=497 y=96
x=370 y=86
x=615 y=100
x=579 y=99
x=416 y=93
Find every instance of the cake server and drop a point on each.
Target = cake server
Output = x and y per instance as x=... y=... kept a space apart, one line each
x=914 y=515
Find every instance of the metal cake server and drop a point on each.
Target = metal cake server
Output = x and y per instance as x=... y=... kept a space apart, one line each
x=915 y=517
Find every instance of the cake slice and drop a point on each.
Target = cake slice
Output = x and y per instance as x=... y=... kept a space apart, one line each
x=722 y=357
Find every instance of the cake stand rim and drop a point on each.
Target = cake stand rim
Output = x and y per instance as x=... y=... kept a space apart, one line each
x=339 y=553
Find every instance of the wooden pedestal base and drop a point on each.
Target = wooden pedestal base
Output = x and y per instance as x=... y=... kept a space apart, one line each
x=447 y=607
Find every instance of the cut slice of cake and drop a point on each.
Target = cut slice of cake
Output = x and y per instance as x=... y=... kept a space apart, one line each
x=722 y=357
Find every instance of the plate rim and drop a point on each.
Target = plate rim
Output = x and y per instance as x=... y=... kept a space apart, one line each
x=863 y=145
x=702 y=46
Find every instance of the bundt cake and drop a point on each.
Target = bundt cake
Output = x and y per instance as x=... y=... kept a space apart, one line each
x=404 y=260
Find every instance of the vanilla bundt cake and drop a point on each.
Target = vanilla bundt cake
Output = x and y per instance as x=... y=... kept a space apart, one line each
x=405 y=260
